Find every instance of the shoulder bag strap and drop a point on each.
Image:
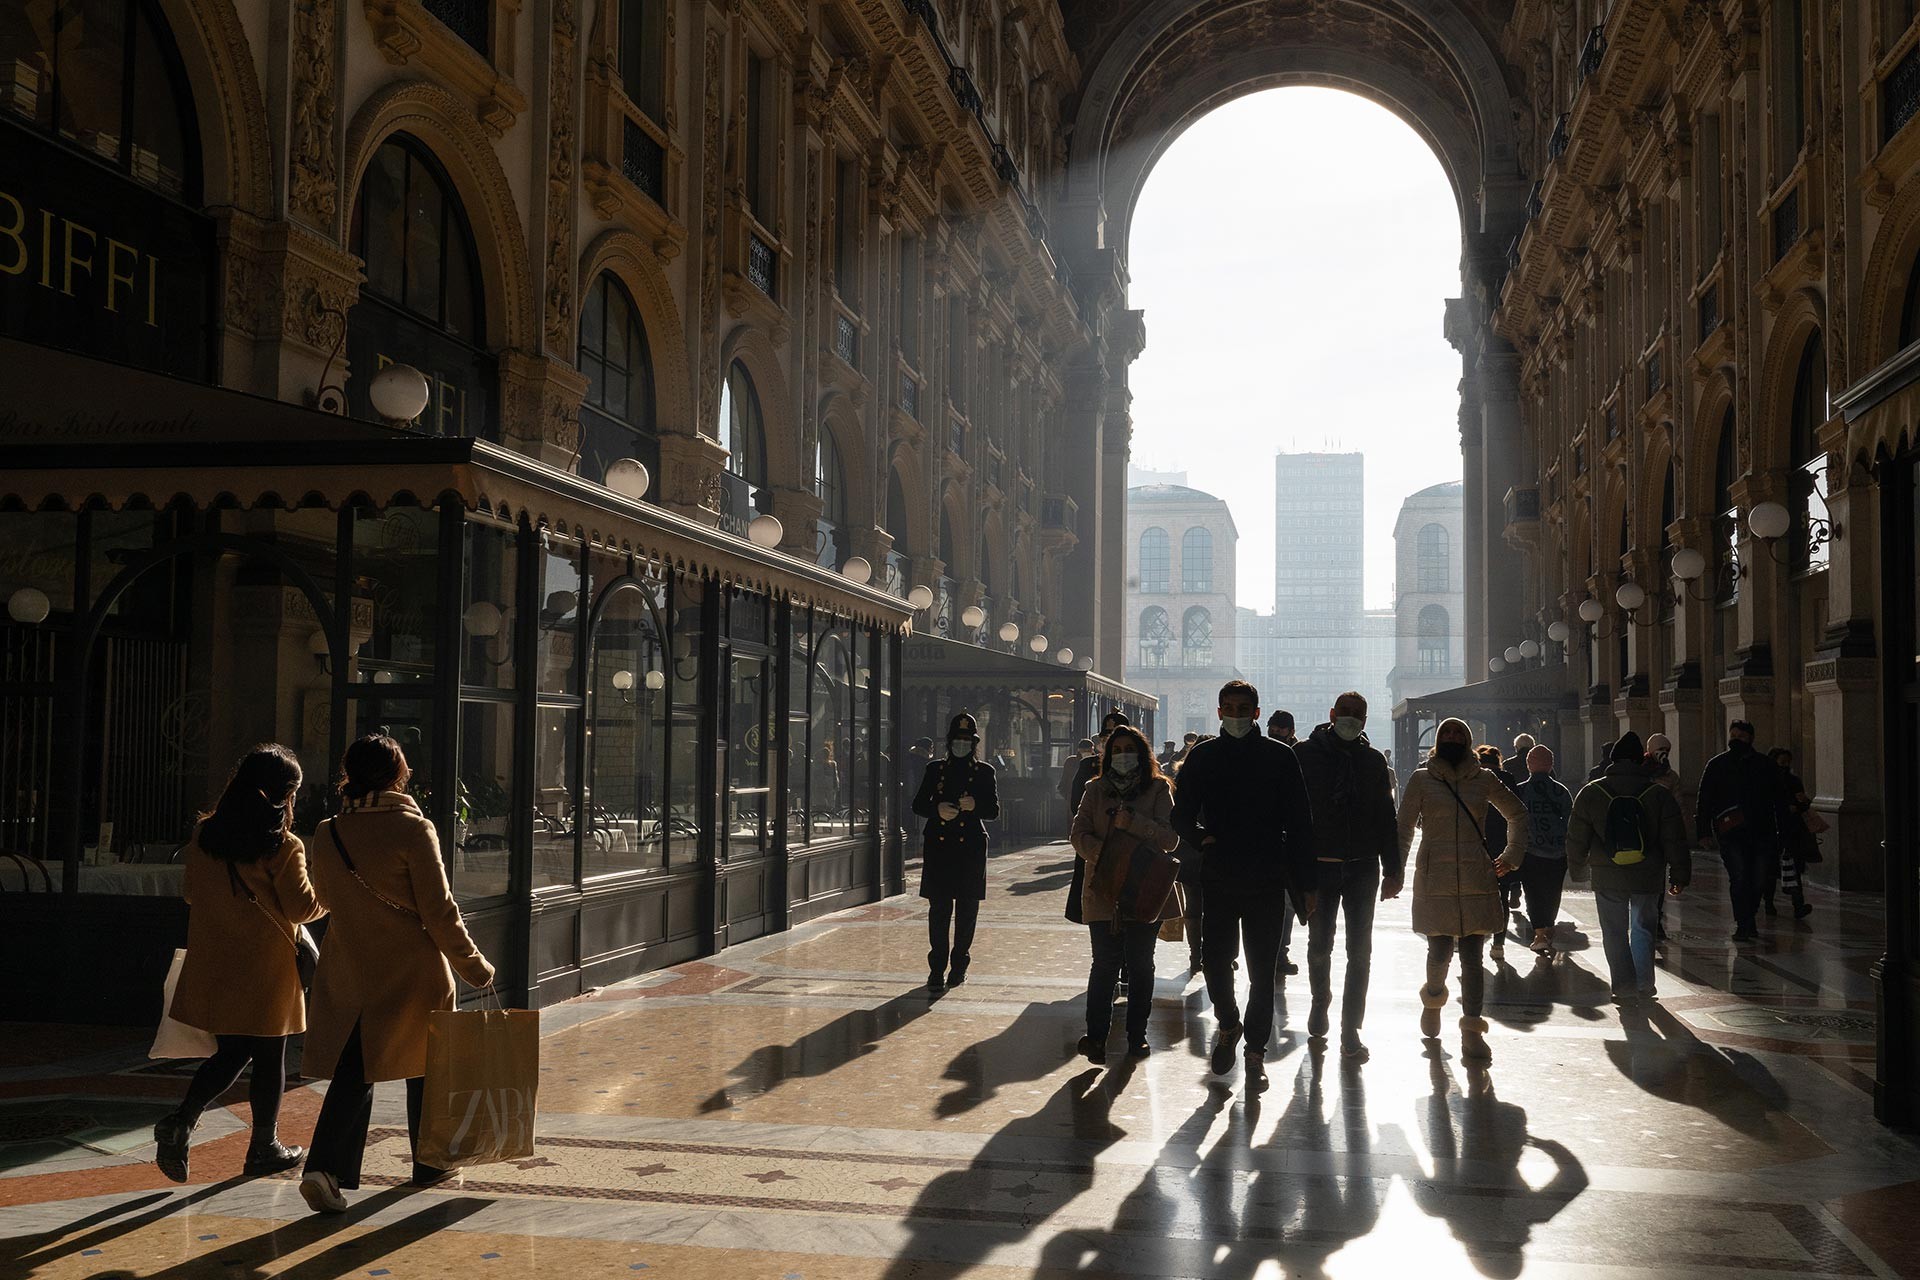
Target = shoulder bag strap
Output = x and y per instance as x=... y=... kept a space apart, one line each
x=239 y=887
x=333 y=829
x=1455 y=793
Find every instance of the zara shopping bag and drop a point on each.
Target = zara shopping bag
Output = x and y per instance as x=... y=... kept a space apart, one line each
x=177 y=1039
x=483 y=1070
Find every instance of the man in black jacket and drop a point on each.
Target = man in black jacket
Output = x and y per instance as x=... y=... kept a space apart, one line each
x=1241 y=800
x=1356 y=846
x=1738 y=805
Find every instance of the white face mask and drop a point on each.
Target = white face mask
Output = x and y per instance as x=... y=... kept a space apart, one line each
x=1348 y=727
x=1236 y=726
x=960 y=748
x=1124 y=765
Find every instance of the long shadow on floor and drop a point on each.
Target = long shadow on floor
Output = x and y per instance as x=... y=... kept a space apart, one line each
x=19 y=1248
x=1030 y=1047
x=1663 y=1056
x=1524 y=992
x=851 y=1035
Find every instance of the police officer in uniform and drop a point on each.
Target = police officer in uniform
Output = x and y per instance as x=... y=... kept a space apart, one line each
x=957 y=799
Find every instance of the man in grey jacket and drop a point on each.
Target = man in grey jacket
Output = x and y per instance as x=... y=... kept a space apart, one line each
x=1544 y=874
x=1631 y=832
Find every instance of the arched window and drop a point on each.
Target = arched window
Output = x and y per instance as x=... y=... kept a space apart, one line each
x=830 y=486
x=1809 y=414
x=105 y=77
x=1726 y=517
x=616 y=415
x=421 y=304
x=1432 y=552
x=743 y=434
x=1156 y=636
x=946 y=541
x=1196 y=638
x=1196 y=559
x=1433 y=635
x=1156 y=560
x=1910 y=307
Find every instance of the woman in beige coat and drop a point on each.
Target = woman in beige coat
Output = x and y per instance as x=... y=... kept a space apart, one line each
x=1456 y=890
x=245 y=878
x=1128 y=794
x=394 y=943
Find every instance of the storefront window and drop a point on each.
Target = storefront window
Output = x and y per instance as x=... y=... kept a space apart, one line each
x=687 y=808
x=556 y=771
x=488 y=600
x=748 y=743
x=559 y=630
x=483 y=854
x=889 y=721
x=799 y=664
x=37 y=552
x=831 y=711
x=627 y=719
x=858 y=760
x=396 y=567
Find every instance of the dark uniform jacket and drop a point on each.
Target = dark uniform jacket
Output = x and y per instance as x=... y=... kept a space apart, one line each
x=1741 y=777
x=1248 y=795
x=954 y=854
x=1351 y=790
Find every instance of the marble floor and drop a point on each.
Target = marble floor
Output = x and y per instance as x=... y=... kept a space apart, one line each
x=800 y=1107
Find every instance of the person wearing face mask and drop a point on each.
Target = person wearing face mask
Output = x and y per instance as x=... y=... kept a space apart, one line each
x=1737 y=809
x=1129 y=794
x=957 y=798
x=1659 y=764
x=1543 y=875
x=1356 y=861
x=1242 y=803
x=1083 y=775
x=1456 y=892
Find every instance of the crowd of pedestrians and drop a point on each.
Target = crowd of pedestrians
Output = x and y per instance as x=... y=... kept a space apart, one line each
x=1270 y=830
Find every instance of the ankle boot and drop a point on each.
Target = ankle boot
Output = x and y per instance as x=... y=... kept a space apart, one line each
x=1473 y=1040
x=1432 y=997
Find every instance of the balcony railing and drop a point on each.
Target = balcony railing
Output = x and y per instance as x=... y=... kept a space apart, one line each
x=760 y=265
x=643 y=161
x=1900 y=95
x=1557 y=141
x=909 y=394
x=1534 y=204
x=1613 y=419
x=1786 y=224
x=846 y=340
x=895 y=574
x=1656 y=376
x=943 y=619
x=1058 y=511
x=1593 y=52
x=465 y=18
x=964 y=91
x=957 y=435
x=1709 y=311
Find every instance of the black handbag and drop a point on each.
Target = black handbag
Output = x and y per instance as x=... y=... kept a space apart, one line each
x=306 y=951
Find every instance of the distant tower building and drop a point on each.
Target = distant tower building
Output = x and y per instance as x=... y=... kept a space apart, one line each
x=1378 y=648
x=1429 y=609
x=1319 y=502
x=1181 y=620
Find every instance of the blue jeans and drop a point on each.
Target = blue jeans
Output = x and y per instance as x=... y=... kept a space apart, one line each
x=1628 y=923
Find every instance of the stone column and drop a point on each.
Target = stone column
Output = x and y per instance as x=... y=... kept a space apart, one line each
x=540 y=407
x=1683 y=700
x=1081 y=460
x=1106 y=644
x=689 y=483
x=1747 y=689
x=799 y=512
x=1843 y=678
x=1473 y=531
x=1503 y=578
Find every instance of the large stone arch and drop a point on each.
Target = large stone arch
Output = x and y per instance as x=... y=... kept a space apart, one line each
x=953 y=505
x=1647 y=527
x=1895 y=253
x=840 y=416
x=632 y=262
x=786 y=468
x=1801 y=315
x=914 y=487
x=1701 y=453
x=445 y=125
x=236 y=164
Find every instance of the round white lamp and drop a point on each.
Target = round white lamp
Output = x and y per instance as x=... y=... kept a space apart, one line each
x=1083 y=663
x=317 y=646
x=656 y=680
x=1009 y=631
x=482 y=619
x=973 y=617
x=1038 y=644
x=1688 y=564
x=29 y=605
x=1768 y=520
x=1512 y=655
x=398 y=392
x=1065 y=657
x=628 y=477
x=1557 y=631
x=1496 y=665
x=857 y=570
x=1629 y=595
x=765 y=531
x=623 y=680
x=921 y=597
x=1529 y=648
x=1592 y=610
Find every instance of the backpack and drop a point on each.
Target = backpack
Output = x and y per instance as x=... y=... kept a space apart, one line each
x=1625 y=828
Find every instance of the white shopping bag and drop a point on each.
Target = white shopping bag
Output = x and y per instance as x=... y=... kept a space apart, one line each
x=177 y=1039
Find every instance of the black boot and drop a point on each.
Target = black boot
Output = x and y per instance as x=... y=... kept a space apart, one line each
x=271 y=1157
x=171 y=1136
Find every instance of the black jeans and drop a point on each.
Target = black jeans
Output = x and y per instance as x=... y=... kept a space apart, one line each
x=1545 y=880
x=1254 y=911
x=340 y=1134
x=1196 y=901
x=1131 y=947
x=1746 y=863
x=1350 y=888
x=1473 y=979
x=959 y=914
x=217 y=1074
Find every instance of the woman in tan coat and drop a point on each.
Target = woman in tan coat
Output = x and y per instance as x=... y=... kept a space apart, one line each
x=245 y=878
x=394 y=943
x=1456 y=890
x=1128 y=794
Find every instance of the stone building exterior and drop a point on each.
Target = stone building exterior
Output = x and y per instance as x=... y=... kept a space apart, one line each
x=1182 y=638
x=1428 y=601
x=1319 y=564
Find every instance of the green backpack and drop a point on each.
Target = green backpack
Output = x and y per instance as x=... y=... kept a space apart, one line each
x=1625 y=828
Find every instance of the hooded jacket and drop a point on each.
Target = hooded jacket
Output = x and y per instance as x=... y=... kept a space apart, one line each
x=1455 y=894
x=1664 y=829
x=1351 y=790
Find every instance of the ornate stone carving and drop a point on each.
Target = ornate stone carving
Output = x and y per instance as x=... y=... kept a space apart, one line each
x=710 y=242
x=560 y=184
x=314 y=189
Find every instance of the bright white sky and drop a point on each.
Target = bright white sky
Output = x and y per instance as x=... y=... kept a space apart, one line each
x=1294 y=251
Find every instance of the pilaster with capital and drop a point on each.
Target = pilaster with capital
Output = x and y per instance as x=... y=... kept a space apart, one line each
x=1842 y=681
x=689 y=484
x=540 y=407
x=285 y=293
x=799 y=511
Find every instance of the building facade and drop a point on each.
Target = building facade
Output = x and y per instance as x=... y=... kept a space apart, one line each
x=1182 y=643
x=1318 y=587
x=1428 y=594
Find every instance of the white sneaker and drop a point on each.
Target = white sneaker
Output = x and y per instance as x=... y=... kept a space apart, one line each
x=321 y=1191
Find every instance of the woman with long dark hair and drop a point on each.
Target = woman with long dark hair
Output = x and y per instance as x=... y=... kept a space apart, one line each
x=246 y=880
x=394 y=943
x=1128 y=794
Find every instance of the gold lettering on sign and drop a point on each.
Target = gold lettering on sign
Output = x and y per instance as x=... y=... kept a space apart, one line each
x=70 y=262
x=114 y=275
x=73 y=245
x=13 y=233
x=46 y=248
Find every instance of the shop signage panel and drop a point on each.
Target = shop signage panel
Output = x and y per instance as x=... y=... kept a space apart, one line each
x=463 y=383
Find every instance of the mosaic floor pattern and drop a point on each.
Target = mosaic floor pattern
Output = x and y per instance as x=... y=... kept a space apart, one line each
x=800 y=1107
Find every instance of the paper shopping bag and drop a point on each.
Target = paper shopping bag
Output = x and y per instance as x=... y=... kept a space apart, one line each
x=177 y=1039
x=483 y=1070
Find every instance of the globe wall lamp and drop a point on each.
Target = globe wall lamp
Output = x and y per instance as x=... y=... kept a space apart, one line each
x=1689 y=565
x=1009 y=632
x=973 y=617
x=484 y=620
x=1038 y=644
x=921 y=597
x=1631 y=597
x=1083 y=663
x=1065 y=657
x=1496 y=664
x=1558 y=631
x=29 y=605
x=765 y=531
x=1530 y=649
x=1770 y=521
x=399 y=393
x=652 y=681
x=628 y=477
x=858 y=570
x=1512 y=655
